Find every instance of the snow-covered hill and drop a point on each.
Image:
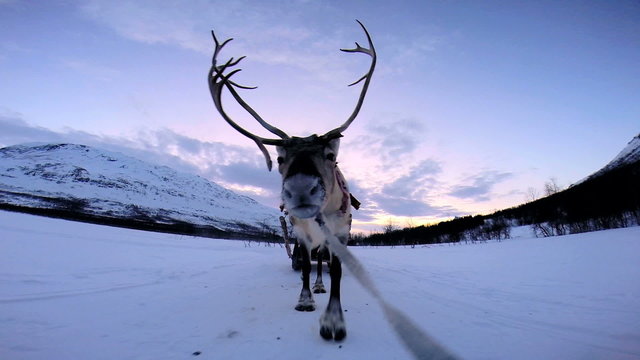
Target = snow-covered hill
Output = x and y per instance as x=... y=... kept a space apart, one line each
x=70 y=290
x=630 y=154
x=111 y=185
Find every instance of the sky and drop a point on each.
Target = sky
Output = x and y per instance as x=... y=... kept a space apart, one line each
x=472 y=105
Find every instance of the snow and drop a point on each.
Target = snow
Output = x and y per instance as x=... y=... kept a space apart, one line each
x=75 y=291
x=524 y=231
x=113 y=183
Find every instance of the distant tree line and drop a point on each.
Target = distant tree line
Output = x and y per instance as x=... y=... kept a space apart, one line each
x=461 y=229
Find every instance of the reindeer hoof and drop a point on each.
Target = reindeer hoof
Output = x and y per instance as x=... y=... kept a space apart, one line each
x=305 y=307
x=319 y=289
x=305 y=302
x=326 y=333
x=332 y=325
x=335 y=333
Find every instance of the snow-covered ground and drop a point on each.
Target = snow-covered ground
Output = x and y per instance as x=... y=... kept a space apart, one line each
x=79 y=291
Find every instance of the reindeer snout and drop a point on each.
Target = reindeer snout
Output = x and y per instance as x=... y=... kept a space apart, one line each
x=303 y=195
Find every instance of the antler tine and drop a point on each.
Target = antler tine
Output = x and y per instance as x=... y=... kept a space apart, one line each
x=249 y=109
x=230 y=85
x=218 y=81
x=371 y=51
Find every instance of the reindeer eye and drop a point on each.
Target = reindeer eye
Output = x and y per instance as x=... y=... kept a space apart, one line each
x=280 y=160
x=331 y=157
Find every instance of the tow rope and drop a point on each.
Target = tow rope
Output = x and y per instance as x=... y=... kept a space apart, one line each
x=418 y=342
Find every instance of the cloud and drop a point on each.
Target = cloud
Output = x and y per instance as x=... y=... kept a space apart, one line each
x=392 y=145
x=14 y=130
x=395 y=137
x=365 y=215
x=85 y=68
x=361 y=193
x=249 y=173
x=147 y=22
x=368 y=210
x=417 y=182
x=408 y=195
x=481 y=185
x=412 y=207
x=257 y=26
x=416 y=50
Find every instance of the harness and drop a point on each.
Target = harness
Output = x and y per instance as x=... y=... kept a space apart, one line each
x=346 y=196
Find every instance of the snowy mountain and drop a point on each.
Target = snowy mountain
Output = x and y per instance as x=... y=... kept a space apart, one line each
x=629 y=155
x=96 y=185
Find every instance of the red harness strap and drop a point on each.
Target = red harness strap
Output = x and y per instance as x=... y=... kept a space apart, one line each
x=346 y=198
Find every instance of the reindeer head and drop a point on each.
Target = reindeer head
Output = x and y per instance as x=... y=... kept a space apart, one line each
x=308 y=164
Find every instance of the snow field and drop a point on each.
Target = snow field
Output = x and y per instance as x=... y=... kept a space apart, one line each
x=73 y=291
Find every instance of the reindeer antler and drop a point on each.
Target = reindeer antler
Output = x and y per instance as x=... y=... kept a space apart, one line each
x=371 y=51
x=218 y=81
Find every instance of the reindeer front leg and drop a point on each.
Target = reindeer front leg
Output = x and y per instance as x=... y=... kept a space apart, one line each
x=332 y=325
x=332 y=321
x=305 y=302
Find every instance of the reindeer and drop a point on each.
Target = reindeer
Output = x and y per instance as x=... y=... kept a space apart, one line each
x=314 y=191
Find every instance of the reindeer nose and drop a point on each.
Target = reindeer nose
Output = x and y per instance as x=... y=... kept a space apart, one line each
x=302 y=189
x=303 y=195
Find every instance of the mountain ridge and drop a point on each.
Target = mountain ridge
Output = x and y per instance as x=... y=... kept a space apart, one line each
x=629 y=155
x=109 y=185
